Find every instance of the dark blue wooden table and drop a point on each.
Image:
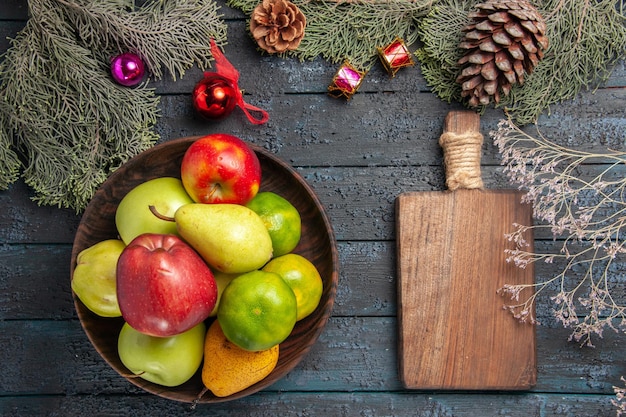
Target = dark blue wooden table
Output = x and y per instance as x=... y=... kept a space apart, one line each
x=358 y=157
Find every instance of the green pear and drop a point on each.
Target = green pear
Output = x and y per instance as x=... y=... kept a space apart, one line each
x=94 y=278
x=222 y=280
x=230 y=237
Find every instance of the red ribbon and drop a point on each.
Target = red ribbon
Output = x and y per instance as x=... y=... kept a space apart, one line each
x=226 y=69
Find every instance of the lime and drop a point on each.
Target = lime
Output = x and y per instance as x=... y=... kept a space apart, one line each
x=281 y=218
x=257 y=310
x=303 y=278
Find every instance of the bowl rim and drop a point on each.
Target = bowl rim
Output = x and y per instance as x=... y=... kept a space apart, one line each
x=326 y=309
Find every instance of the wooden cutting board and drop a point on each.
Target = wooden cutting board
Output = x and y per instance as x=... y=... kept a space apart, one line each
x=453 y=331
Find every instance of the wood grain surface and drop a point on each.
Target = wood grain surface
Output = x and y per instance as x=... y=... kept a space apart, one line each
x=358 y=157
x=453 y=330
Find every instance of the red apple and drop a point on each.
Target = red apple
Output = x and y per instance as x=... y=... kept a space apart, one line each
x=164 y=287
x=221 y=168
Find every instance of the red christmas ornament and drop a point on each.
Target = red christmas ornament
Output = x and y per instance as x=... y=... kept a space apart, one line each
x=214 y=97
x=127 y=69
x=217 y=94
x=396 y=55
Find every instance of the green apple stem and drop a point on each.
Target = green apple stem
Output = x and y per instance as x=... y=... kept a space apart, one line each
x=159 y=215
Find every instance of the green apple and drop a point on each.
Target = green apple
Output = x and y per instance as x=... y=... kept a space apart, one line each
x=134 y=217
x=94 y=277
x=168 y=361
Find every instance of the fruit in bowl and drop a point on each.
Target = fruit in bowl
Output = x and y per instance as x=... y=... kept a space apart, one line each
x=133 y=216
x=167 y=361
x=258 y=310
x=316 y=244
x=230 y=237
x=281 y=219
x=164 y=288
x=94 y=278
x=221 y=168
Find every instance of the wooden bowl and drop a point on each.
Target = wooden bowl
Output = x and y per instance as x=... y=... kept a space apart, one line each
x=317 y=244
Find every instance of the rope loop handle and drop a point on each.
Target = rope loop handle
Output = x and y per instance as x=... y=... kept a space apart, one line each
x=462 y=147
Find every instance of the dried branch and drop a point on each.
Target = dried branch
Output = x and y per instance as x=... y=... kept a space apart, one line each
x=620 y=399
x=590 y=213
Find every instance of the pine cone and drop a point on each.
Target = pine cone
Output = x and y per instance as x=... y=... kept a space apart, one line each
x=277 y=25
x=504 y=41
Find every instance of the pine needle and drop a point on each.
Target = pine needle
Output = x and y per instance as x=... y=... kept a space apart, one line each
x=65 y=125
x=352 y=30
x=440 y=33
x=586 y=37
x=170 y=34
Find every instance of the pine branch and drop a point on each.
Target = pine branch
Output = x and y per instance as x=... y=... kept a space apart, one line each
x=10 y=164
x=64 y=123
x=352 y=30
x=73 y=124
x=182 y=28
x=440 y=33
x=586 y=40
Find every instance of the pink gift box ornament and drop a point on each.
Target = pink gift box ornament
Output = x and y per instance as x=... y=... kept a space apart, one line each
x=346 y=81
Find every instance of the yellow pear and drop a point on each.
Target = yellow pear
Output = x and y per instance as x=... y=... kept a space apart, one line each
x=230 y=237
x=94 y=278
x=228 y=368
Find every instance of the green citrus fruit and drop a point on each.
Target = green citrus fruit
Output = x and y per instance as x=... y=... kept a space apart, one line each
x=303 y=278
x=257 y=310
x=281 y=218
